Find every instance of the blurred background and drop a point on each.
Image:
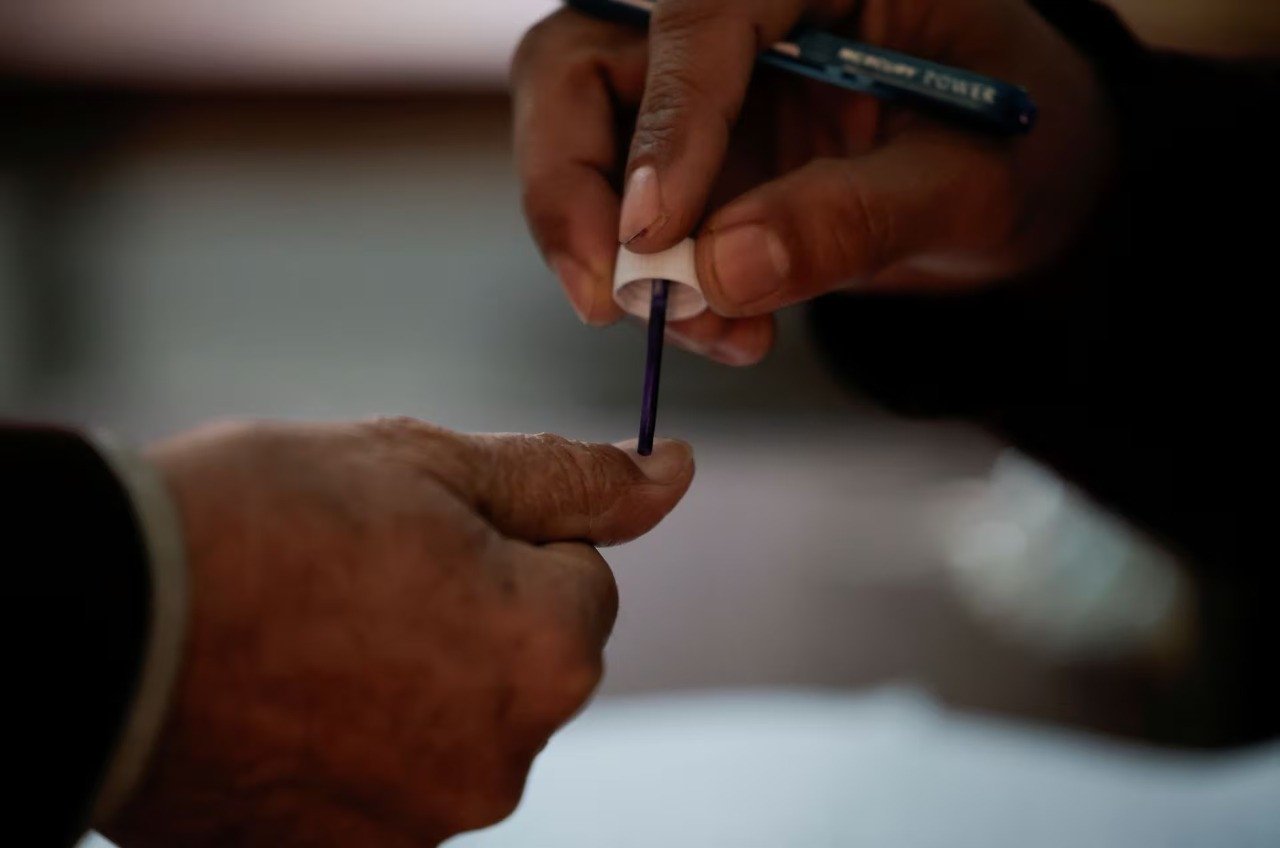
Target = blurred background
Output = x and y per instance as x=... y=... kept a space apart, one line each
x=308 y=210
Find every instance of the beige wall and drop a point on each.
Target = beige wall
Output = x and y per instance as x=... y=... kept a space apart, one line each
x=450 y=44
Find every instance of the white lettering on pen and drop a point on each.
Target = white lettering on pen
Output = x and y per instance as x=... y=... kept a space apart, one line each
x=878 y=63
x=975 y=90
x=979 y=92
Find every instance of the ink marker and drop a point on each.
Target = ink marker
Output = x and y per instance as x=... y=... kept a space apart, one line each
x=974 y=99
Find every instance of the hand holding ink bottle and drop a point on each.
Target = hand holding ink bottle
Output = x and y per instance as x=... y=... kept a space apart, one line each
x=927 y=196
x=793 y=188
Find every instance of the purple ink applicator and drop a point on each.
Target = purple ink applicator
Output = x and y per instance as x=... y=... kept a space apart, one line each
x=653 y=365
x=657 y=287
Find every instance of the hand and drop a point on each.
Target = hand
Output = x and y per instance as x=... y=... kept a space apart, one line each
x=388 y=621
x=826 y=189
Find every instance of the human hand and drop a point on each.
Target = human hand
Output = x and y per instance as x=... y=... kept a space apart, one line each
x=826 y=190
x=387 y=622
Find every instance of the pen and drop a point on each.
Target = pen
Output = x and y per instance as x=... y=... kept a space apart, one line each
x=980 y=102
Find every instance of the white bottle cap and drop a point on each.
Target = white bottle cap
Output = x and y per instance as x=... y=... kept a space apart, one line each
x=635 y=272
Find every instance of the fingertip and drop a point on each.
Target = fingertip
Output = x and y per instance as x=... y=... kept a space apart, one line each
x=748 y=343
x=604 y=312
x=670 y=463
x=578 y=284
x=728 y=341
x=589 y=294
x=653 y=218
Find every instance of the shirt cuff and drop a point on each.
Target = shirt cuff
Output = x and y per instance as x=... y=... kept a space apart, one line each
x=161 y=529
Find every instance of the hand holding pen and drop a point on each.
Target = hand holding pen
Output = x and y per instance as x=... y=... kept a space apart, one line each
x=794 y=188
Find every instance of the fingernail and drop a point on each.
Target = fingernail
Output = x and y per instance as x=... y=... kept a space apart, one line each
x=736 y=356
x=641 y=205
x=726 y=353
x=751 y=263
x=686 y=342
x=739 y=352
x=668 y=462
x=578 y=284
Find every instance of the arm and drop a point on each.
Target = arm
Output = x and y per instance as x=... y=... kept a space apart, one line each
x=387 y=621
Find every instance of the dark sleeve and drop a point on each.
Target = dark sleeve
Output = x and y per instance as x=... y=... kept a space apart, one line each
x=1138 y=366
x=79 y=586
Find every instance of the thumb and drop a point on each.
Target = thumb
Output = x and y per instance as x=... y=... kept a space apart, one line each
x=835 y=223
x=547 y=488
x=701 y=55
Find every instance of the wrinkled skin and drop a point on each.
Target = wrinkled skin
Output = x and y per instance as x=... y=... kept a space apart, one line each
x=792 y=187
x=388 y=621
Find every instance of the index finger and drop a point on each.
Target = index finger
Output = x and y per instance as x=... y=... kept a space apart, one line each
x=566 y=76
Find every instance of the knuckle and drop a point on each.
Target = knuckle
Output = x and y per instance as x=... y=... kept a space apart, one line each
x=237 y=443
x=501 y=794
x=264 y=441
x=576 y=473
x=656 y=125
x=536 y=43
x=598 y=596
x=577 y=683
x=459 y=547
x=581 y=67
x=606 y=596
x=398 y=428
x=560 y=659
x=428 y=445
x=674 y=98
x=249 y=429
x=542 y=469
x=428 y=448
x=570 y=673
x=560 y=56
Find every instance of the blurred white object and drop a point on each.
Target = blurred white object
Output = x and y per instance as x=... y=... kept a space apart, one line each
x=1040 y=561
x=285 y=42
x=807 y=769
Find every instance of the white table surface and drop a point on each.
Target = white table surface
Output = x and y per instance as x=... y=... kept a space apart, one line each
x=813 y=769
